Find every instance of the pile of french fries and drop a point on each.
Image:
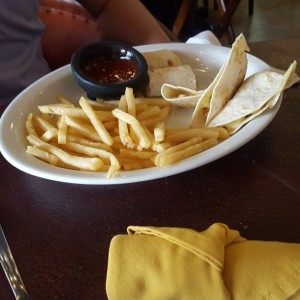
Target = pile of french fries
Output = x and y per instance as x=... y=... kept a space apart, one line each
x=105 y=137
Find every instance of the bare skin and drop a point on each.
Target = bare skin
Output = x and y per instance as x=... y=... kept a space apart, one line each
x=126 y=21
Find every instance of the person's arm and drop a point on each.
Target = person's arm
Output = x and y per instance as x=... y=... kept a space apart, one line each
x=126 y=21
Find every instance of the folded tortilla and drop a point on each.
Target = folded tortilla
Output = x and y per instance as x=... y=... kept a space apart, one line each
x=180 y=96
x=182 y=75
x=161 y=59
x=224 y=85
x=258 y=92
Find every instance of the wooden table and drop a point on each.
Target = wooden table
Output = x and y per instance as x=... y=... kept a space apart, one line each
x=60 y=233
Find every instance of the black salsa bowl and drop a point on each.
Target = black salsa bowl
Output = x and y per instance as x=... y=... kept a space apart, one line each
x=104 y=69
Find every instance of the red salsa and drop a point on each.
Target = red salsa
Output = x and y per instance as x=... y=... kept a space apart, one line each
x=110 y=69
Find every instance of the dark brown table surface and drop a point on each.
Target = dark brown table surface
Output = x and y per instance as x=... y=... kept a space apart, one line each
x=60 y=233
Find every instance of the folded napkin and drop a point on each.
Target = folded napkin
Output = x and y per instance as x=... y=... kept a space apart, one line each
x=178 y=263
x=204 y=37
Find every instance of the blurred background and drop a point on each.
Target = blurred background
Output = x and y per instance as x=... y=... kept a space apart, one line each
x=257 y=19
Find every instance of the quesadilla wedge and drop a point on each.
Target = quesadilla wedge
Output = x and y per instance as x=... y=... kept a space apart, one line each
x=178 y=75
x=258 y=92
x=224 y=85
x=161 y=59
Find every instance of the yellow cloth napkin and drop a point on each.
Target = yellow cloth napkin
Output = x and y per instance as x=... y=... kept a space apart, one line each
x=179 y=264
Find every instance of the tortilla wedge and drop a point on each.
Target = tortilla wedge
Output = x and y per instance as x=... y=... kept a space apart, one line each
x=161 y=59
x=224 y=85
x=258 y=92
x=183 y=75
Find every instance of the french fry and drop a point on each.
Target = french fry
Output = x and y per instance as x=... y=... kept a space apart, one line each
x=86 y=142
x=177 y=148
x=141 y=107
x=137 y=154
x=104 y=168
x=84 y=128
x=175 y=156
x=82 y=163
x=43 y=155
x=64 y=100
x=223 y=132
x=163 y=115
x=29 y=126
x=105 y=156
x=159 y=132
x=144 y=141
x=180 y=135
x=124 y=135
x=153 y=101
x=49 y=134
x=123 y=127
x=110 y=125
x=88 y=151
x=160 y=147
x=98 y=125
x=130 y=101
x=131 y=166
x=150 y=136
x=131 y=109
x=59 y=109
x=151 y=112
x=43 y=123
x=102 y=105
x=62 y=130
x=64 y=109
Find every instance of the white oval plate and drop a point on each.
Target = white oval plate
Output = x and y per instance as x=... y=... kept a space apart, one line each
x=206 y=60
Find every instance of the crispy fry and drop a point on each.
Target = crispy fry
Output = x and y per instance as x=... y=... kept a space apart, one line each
x=137 y=154
x=88 y=151
x=177 y=148
x=151 y=122
x=144 y=141
x=63 y=109
x=141 y=107
x=149 y=135
x=165 y=159
x=180 y=135
x=153 y=101
x=123 y=127
x=105 y=156
x=43 y=155
x=160 y=147
x=151 y=112
x=130 y=166
x=49 y=134
x=62 y=130
x=59 y=109
x=86 y=142
x=42 y=122
x=84 y=128
x=98 y=125
x=29 y=126
x=111 y=124
x=130 y=101
x=159 y=132
x=102 y=105
x=223 y=132
x=64 y=100
x=83 y=163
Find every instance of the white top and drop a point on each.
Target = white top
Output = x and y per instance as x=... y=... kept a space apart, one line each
x=21 y=59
